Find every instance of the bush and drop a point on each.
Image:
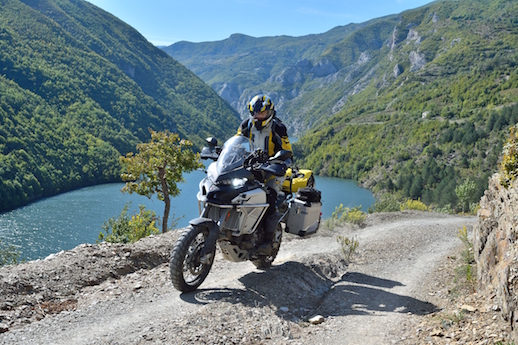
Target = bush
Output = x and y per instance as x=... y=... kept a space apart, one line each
x=345 y=215
x=387 y=203
x=128 y=230
x=465 y=192
x=509 y=165
x=348 y=246
x=468 y=265
x=474 y=207
x=8 y=255
x=413 y=205
x=445 y=209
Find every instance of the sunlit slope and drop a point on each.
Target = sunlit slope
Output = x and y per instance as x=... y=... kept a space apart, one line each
x=80 y=87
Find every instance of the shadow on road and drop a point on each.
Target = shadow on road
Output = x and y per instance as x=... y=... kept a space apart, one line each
x=307 y=289
x=360 y=278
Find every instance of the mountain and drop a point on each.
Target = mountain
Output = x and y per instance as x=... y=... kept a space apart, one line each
x=78 y=88
x=285 y=67
x=435 y=109
x=412 y=104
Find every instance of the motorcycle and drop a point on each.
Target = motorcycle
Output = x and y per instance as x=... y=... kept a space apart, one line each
x=233 y=203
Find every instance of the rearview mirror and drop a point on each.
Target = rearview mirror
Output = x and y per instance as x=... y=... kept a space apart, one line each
x=212 y=142
x=211 y=152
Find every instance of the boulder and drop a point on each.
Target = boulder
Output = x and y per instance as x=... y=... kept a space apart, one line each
x=323 y=68
x=417 y=60
x=229 y=92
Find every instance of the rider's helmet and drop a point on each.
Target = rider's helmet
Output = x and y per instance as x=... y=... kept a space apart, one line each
x=259 y=104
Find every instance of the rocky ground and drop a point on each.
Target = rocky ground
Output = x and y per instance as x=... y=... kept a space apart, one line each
x=403 y=285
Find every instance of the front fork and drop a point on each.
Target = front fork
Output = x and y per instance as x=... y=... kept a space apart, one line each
x=209 y=248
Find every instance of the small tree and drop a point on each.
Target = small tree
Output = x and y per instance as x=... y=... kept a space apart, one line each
x=158 y=167
x=465 y=192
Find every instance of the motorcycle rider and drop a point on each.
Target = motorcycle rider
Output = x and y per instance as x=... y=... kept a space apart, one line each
x=267 y=132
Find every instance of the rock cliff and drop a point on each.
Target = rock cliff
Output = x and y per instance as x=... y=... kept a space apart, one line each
x=496 y=248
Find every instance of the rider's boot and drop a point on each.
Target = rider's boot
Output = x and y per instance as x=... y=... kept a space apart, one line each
x=270 y=225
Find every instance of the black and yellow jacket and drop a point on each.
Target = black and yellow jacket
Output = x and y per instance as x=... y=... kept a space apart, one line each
x=271 y=138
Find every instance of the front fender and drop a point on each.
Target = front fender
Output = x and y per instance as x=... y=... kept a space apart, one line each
x=213 y=228
x=201 y=221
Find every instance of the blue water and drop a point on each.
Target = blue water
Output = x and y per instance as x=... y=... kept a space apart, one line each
x=67 y=220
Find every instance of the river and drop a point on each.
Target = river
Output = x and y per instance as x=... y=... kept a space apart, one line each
x=67 y=220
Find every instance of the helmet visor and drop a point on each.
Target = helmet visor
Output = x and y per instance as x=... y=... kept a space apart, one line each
x=260 y=115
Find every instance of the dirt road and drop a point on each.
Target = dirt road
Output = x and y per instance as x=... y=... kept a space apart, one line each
x=372 y=300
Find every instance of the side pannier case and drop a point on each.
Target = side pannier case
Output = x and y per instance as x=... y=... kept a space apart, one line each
x=304 y=212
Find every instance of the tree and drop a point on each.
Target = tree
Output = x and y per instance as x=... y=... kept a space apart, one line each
x=465 y=191
x=158 y=167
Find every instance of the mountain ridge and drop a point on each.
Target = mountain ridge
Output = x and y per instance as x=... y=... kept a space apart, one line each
x=236 y=76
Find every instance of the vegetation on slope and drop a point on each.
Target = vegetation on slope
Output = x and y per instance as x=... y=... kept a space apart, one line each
x=78 y=88
x=424 y=130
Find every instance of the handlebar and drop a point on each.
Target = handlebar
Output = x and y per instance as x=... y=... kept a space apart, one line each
x=255 y=159
x=258 y=162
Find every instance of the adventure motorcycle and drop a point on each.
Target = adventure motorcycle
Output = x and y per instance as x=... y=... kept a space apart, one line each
x=233 y=202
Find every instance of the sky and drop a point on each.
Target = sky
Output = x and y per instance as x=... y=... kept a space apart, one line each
x=164 y=22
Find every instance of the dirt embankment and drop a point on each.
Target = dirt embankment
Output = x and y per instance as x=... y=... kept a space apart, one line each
x=398 y=288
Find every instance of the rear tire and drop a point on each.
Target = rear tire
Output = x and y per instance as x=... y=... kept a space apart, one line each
x=265 y=261
x=186 y=270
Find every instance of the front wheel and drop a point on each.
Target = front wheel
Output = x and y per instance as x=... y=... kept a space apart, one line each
x=265 y=261
x=187 y=268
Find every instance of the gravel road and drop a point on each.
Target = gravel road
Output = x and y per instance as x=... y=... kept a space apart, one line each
x=115 y=294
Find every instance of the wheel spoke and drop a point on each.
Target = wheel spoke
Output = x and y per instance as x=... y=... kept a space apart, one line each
x=192 y=267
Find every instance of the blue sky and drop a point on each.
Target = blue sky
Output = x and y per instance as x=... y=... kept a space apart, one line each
x=163 y=22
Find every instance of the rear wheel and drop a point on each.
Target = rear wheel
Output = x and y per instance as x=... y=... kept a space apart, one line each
x=187 y=268
x=265 y=261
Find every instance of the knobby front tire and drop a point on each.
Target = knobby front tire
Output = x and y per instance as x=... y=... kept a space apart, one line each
x=186 y=270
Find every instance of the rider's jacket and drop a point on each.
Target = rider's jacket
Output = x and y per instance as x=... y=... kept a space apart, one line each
x=272 y=138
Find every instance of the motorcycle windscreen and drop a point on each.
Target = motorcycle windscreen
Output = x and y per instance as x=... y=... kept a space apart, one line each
x=234 y=152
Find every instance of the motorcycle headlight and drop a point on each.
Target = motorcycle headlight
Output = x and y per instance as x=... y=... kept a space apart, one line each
x=239 y=182
x=235 y=182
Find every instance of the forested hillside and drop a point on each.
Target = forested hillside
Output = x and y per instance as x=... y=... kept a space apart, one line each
x=437 y=107
x=78 y=88
x=414 y=103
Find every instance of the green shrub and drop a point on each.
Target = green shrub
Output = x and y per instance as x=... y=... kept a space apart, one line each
x=8 y=255
x=387 y=203
x=355 y=216
x=464 y=193
x=509 y=165
x=445 y=209
x=414 y=205
x=125 y=229
x=467 y=268
x=348 y=246
x=343 y=215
